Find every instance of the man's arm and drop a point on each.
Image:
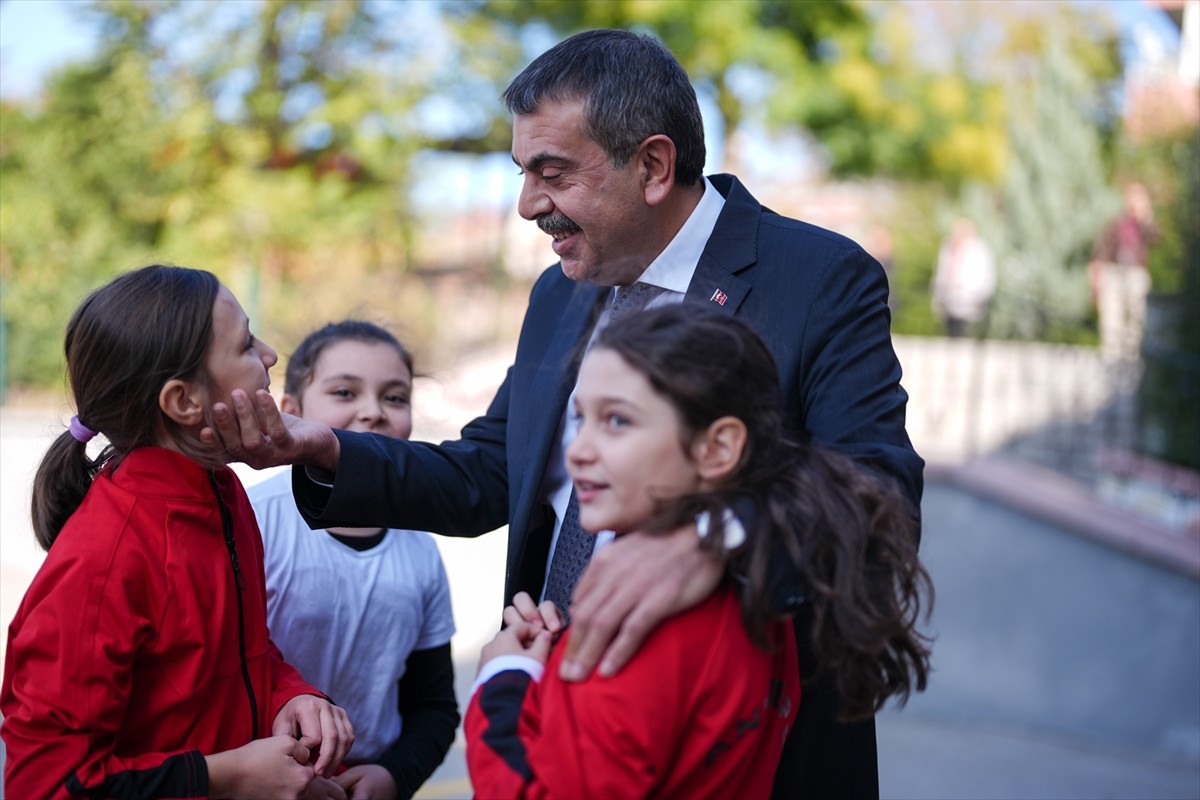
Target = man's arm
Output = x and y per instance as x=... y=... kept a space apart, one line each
x=851 y=400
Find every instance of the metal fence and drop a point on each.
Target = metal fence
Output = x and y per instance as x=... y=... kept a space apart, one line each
x=1059 y=406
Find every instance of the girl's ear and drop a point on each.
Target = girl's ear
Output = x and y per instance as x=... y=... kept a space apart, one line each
x=718 y=450
x=182 y=401
x=289 y=405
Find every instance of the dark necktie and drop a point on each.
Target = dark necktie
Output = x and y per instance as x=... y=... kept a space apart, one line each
x=575 y=545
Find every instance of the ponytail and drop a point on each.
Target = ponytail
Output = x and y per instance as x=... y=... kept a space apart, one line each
x=62 y=479
x=125 y=341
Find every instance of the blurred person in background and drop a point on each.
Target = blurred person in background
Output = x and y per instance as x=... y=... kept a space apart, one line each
x=965 y=279
x=1119 y=278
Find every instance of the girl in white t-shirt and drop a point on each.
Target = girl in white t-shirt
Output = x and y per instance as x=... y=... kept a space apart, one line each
x=364 y=613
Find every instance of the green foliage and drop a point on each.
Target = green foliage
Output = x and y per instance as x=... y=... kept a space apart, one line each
x=845 y=71
x=917 y=236
x=84 y=187
x=1169 y=392
x=1055 y=197
x=1165 y=165
x=273 y=150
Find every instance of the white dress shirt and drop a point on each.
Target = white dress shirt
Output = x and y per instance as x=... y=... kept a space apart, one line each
x=672 y=270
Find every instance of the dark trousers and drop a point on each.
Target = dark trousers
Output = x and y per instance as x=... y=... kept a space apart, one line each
x=824 y=758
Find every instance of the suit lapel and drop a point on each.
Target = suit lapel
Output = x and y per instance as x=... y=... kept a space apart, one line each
x=556 y=378
x=731 y=249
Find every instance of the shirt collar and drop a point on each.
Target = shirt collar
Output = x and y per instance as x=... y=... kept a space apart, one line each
x=675 y=265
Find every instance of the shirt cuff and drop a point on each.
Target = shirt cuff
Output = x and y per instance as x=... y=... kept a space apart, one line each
x=319 y=476
x=531 y=666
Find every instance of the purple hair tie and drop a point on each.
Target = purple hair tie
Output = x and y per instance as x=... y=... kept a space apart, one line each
x=81 y=433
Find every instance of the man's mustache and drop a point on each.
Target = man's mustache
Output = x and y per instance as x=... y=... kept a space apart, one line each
x=557 y=222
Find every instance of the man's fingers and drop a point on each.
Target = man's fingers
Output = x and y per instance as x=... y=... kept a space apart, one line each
x=270 y=419
x=638 y=624
x=247 y=419
x=595 y=621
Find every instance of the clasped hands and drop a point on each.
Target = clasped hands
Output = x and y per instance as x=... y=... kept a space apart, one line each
x=282 y=765
x=628 y=589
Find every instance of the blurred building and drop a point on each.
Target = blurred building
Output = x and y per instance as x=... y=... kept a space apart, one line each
x=1162 y=87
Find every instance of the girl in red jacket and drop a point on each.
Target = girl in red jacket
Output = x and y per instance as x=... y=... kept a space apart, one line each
x=139 y=663
x=679 y=414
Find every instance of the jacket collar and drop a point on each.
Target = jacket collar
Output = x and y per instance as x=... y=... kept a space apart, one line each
x=158 y=472
x=732 y=248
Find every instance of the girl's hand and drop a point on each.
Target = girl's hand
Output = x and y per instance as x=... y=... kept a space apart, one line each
x=265 y=769
x=521 y=639
x=324 y=789
x=319 y=723
x=368 y=782
x=523 y=609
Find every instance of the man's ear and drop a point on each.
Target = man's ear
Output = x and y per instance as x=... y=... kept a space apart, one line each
x=718 y=450
x=656 y=167
x=289 y=405
x=182 y=401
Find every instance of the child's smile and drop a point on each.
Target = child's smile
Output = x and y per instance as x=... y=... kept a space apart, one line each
x=628 y=454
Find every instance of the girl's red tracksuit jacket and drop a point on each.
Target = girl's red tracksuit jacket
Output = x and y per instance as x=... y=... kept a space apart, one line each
x=699 y=712
x=142 y=643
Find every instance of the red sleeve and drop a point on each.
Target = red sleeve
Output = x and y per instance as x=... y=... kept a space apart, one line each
x=286 y=683
x=602 y=738
x=67 y=680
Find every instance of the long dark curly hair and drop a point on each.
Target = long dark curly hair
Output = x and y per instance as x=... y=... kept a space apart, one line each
x=845 y=531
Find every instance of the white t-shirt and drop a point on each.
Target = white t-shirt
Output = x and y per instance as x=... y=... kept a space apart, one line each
x=348 y=620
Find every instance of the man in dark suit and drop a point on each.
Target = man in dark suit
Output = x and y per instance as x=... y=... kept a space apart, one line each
x=609 y=139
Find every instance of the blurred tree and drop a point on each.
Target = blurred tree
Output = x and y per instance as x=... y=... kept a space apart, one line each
x=85 y=185
x=1055 y=197
x=846 y=72
x=1169 y=389
x=269 y=142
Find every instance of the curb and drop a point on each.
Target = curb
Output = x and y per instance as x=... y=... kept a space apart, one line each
x=1072 y=506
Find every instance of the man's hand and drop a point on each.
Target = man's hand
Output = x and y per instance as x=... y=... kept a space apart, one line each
x=368 y=782
x=258 y=434
x=318 y=723
x=630 y=587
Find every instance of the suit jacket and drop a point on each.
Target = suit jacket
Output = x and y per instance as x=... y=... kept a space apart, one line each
x=818 y=299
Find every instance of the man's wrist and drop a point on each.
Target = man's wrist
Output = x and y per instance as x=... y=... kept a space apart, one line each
x=325 y=459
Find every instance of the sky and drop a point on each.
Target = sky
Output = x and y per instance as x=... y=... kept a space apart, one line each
x=38 y=35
